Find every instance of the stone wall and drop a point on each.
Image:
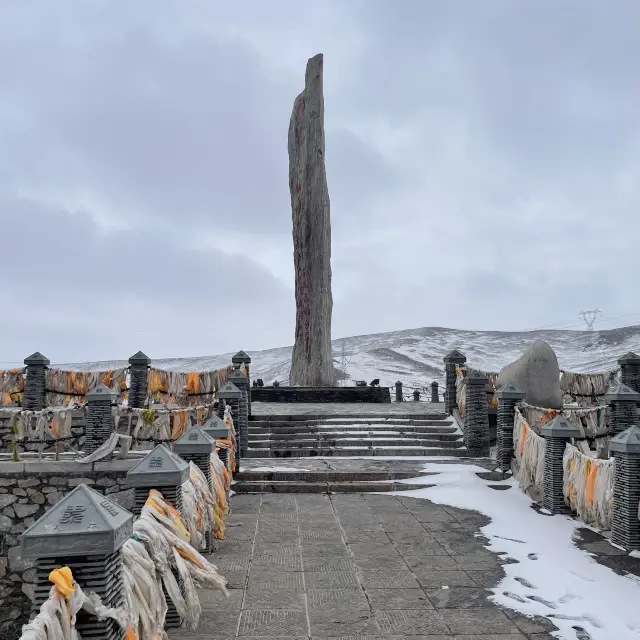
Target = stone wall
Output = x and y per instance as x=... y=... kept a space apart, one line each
x=27 y=491
x=321 y=394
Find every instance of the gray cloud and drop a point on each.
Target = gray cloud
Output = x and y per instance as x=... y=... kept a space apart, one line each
x=480 y=156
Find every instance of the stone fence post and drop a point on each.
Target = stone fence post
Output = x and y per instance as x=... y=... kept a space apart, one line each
x=230 y=395
x=399 y=397
x=139 y=380
x=630 y=370
x=416 y=395
x=451 y=360
x=99 y=421
x=242 y=382
x=216 y=429
x=166 y=472
x=35 y=395
x=625 y=528
x=623 y=402
x=556 y=433
x=241 y=358
x=508 y=397
x=84 y=531
x=476 y=416
x=435 y=397
x=196 y=446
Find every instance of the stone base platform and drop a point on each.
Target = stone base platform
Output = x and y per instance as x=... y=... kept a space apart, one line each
x=321 y=394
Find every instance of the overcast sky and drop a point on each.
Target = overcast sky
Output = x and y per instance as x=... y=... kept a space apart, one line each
x=483 y=162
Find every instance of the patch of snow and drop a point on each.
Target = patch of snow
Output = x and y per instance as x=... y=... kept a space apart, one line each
x=552 y=578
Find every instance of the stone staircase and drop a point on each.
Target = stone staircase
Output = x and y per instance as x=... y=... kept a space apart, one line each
x=349 y=436
x=316 y=453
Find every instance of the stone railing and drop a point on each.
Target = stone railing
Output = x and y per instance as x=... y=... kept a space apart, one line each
x=84 y=494
x=548 y=451
x=38 y=385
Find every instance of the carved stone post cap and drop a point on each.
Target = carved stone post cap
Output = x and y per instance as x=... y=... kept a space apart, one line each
x=560 y=428
x=99 y=393
x=621 y=393
x=237 y=376
x=509 y=392
x=398 y=383
x=159 y=468
x=36 y=359
x=229 y=392
x=139 y=359
x=241 y=358
x=434 y=383
x=195 y=441
x=629 y=358
x=627 y=442
x=83 y=523
x=455 y=357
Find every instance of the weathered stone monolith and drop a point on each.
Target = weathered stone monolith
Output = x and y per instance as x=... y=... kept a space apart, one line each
x=311 y=361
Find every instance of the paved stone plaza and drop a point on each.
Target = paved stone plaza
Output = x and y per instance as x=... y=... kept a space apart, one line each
x=355 y=567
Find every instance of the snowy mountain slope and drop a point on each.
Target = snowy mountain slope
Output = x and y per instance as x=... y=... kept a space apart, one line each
x=414 y=356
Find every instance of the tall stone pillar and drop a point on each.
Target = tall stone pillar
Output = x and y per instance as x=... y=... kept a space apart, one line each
x=451 y=360
x=311 y=360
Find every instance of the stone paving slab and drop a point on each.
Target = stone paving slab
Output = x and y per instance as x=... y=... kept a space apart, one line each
x=376 y=567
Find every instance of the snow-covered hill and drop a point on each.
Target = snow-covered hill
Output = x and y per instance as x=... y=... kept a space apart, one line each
x=414 y=356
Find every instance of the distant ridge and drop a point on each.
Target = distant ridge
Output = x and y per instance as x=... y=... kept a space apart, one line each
x=414 y=356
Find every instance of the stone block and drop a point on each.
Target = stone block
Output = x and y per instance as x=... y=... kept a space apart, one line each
x=537 y=373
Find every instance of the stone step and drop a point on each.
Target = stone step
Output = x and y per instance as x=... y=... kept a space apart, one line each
x=401 y=428
x=350 y=420
x=336 y=417
x=338 y=452
x=299 y=443
x=271 y=486
x=355 y=435
x=281 y=474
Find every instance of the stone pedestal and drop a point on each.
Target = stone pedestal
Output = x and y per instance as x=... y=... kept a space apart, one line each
x=399 y=397
x=507 y=397
x=556 y=434
x=451 y=361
